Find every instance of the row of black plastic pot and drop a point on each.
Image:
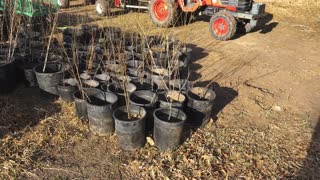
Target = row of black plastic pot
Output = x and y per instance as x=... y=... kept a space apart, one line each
x=179 y=58
x=161 y=113
x=131 y=122
x=157 y=79
x=106 y=35
x=16 y=66
x=102 y=102
x=51 y=74
x=120 y=46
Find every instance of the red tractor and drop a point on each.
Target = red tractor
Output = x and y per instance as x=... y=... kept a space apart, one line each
x=225 y=14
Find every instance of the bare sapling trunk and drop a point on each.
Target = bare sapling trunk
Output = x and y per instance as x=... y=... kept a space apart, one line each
x=50 y=39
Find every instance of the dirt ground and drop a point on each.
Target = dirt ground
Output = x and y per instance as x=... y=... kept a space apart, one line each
x=266 y=121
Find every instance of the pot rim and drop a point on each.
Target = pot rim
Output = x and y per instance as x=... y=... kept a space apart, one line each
x=153 y=102
x=182 y=120
x=144 y=112
x=209 y=90
x=42 y=64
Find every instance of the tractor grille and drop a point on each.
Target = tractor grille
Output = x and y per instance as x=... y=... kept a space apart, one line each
x=242 y=5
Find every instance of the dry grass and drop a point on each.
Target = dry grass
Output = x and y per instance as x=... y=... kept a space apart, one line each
x=306 y=12
x=32 y=131
x=221 y=150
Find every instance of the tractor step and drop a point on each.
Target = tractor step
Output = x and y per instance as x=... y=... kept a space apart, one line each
x=134 y=6
x=190 y=5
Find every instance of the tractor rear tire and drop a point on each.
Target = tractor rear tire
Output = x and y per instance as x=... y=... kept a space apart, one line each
x=163 y=13
x=64 y=3
x=103 y=7
x=223 y=26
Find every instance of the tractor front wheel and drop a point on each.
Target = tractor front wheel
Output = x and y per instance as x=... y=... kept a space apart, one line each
x=163 y=13
x=223 y=26
x=103 y=7
x=63 y=3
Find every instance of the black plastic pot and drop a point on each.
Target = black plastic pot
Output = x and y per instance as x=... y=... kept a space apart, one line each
x=172 y=99
x=30 y=77
x=161 y=59
x=185 y=55
x=95 y=69
x=66 y=91
x=70 y=33
x=89 y=83
x=148 y=100
x=160 y=62
x=102 y=78
x=100 y=106
x=161 y=55
x=94 y=31
x=80 y=98
x=145 y=84
x=112 y=33
x=130 y=132
x=134 y=63
x=136 y=73
x=85 y=76
x=118 y=89
x=25 y=65
x=135 y=48
x=199 y=107
x=161 y=81
x=19 y=61
x=180 y=85
x=7 y=77
x=50 y=78
x=168 y=128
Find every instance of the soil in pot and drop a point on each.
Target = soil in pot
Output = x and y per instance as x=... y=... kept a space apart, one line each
x=118 y=89
x=100 y=106
x=168 y=128
x=199 y=106
x=130 y=132
x=102 y=78
x=172 y=99
x=89 y=83
x=85 y=76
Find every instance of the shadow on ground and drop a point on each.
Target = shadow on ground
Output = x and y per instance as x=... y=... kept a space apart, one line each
x=311 y=166
x=264 y=26
x=24 y=108
x=224 y=96
x=190 y=72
